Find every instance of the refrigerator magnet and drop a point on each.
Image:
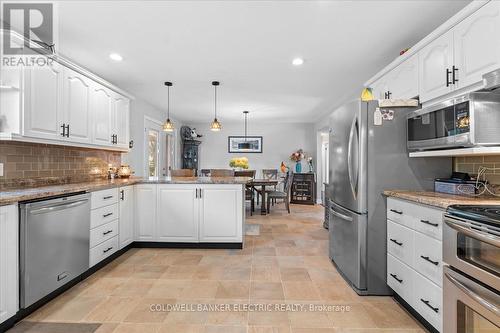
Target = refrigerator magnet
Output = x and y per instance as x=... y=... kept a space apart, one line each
x=377 y=117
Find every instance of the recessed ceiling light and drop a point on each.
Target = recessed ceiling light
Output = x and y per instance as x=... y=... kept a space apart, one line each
x=297 y=61
x=115 y=57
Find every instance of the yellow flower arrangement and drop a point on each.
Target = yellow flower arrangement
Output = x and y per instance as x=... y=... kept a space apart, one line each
x=239 y=162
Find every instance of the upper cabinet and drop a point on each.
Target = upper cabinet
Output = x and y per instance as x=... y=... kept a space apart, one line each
x=43 y=102
x=399 y=83
x=476 y=50
x=120 y=120
x=76 y=106
x=435 y=67
x=101 y=101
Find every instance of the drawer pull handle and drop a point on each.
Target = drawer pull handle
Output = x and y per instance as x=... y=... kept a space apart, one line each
x=108 y=214
x=426 y=302
x=107 y=197
x=395 y=277
x=397 y=211
x=107 y=250
x=429 y=223
x=396 y=242
x=429 y=260
x=107 y=232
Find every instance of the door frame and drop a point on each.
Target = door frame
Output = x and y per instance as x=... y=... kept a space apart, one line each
x=162 y=146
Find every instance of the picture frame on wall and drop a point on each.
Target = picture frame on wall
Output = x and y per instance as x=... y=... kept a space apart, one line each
x=234 y=144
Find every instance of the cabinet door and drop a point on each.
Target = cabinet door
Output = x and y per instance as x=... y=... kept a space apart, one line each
x=43 y=102
x=9 y=253
x=380 y=88
x=403 y=80
x=476 y=51
x=126 y=216
x=101 y=107
x=221 y=213
x=178 y=208
x=120 y=121
x=77 y=106
x=434 y=60
x=145 y=212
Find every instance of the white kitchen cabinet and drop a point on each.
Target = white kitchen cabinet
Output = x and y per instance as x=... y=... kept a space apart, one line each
x=145 y=212
x=476 y=50
x=120 y=120
x=43 y=115
x=76 y=106
x=380 y=88
x=221 y=213
x=126 y=204
x=436 y=67
x=101 y=102
x=9 y=265
x=178 y=213
x=403 y=80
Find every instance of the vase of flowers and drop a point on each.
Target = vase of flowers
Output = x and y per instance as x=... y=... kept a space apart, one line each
x=240 y=163
x=297 y=157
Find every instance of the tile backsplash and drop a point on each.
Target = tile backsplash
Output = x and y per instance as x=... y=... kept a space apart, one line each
x=471 y=165
x=33 y=164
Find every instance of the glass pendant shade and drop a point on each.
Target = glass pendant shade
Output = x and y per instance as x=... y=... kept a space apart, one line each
x=215 y=126
x=168 y=125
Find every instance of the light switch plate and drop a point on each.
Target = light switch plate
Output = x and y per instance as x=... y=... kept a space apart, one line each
x=1 y=169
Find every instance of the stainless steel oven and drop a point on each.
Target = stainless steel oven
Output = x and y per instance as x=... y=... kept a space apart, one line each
x=465 y=121
x=471 y=282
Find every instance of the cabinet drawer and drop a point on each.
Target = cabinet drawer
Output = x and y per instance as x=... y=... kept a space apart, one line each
x=428 y=300
x=427 y=257
x=400 y=242
x=400 y=278
x=103 y=233
x=399 y=211
x=429 y=221
x=104 y=198
x=103 y=215
x=102 y=251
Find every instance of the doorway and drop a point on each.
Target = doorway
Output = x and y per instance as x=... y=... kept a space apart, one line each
x=159 y=149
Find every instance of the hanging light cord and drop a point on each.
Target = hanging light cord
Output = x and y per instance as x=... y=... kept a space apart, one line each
x=168 y=102
x=246 y=114
x=215 y=99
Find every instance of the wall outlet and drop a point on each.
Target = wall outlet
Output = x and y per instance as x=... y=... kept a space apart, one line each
x=1 y=169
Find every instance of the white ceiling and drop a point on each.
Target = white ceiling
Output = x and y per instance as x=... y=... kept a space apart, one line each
x=248 y=46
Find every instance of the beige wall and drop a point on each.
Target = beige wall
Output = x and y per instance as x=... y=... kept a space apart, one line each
x=471 y=164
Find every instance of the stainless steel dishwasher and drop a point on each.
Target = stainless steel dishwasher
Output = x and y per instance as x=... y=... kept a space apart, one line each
x=54 y=244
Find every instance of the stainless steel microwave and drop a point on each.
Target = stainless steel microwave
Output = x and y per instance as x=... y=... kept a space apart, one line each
x=469 y=120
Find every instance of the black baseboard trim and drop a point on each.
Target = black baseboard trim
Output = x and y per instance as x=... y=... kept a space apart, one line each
x=181 y=245
x=415 y=314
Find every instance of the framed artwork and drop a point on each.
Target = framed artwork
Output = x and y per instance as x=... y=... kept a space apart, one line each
x=235 y=144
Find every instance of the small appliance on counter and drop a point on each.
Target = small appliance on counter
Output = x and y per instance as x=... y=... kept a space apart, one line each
x=459 y=184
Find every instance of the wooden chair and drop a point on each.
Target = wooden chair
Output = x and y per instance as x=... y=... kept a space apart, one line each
x=221 y=173
x=268 y=174
x=249 y=191
x=285 y=194
x=182 y=172
x=205 y=172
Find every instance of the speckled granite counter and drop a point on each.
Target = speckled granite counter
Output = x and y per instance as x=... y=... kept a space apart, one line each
x=441 y=200
x=22 y=194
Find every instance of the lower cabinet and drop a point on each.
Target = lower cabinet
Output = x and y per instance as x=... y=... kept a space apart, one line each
x=414 y=257
x=9 y=265
x=189 y=213
x=126 y=208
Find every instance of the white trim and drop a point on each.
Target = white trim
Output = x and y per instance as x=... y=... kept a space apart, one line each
x=443 y=28
x=458 y=152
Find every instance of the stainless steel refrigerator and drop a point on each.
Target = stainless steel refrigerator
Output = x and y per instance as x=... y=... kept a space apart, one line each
x=366 y=158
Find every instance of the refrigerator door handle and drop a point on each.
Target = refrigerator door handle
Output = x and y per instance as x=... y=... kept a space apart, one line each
x=353 y=176
x=342 y=216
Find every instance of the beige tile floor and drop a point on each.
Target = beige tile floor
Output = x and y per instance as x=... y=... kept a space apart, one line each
x=286 y=264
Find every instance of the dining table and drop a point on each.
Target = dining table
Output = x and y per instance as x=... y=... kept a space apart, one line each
x=263 y=183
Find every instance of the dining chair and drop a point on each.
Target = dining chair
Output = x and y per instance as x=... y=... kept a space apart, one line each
x=285 y=194
x=205 y=172
x=268 y=174
x=221 y=173
x=182 y=173
x=249 y=191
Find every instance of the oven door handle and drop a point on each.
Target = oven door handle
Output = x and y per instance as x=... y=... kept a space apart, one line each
x=493 y=308
x=492 y=240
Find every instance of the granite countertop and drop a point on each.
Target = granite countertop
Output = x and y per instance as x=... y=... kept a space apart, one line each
x=11 y=196
x=441 y=200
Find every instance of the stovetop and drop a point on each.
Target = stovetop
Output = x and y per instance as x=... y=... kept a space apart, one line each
x=488 y=214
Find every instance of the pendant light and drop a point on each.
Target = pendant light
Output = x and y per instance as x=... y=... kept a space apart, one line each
x=245 y=145
x=168 y=125
x=215 y=126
